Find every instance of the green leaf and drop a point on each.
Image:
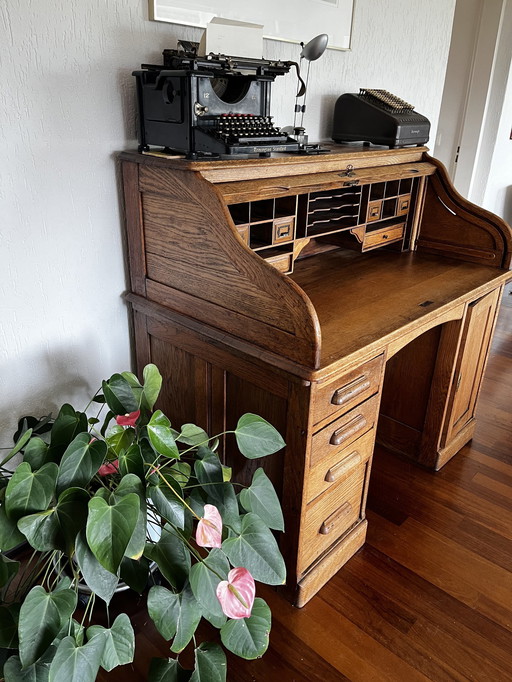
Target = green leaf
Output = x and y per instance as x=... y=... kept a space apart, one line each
x=224 y=497
x=167 y=670
x=181 y=472
x=131 y=462
x=171 y=556
x=255 y=548
x=98 y=579
x=22 y=441
x=29 y=491
x=256 y=437
x=10 y=536
x=208 y=468
x=37 y=672
x=204 y=581
x=8 y=569
x=160 y=436
x=74 y=663
x=56 y=528
x=9 y=617
x=193 y=435
x=248 y=637
x=119 y=642
x=120 y=439
x=81 y=460
x=261 y=498
x=174 y=615
x=68 y=424
x=152 y=385
x=167 y=497
x=42 y=615
x=110 y=527
x=135 y=573
x=211 y=665
x=119 y=395
x=132 y=484
x=36 y=453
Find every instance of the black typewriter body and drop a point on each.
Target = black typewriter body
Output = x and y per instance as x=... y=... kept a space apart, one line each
x=209 y=107
x=378 y=117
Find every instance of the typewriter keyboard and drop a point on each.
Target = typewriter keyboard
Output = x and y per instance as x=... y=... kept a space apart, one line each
x=245 y=128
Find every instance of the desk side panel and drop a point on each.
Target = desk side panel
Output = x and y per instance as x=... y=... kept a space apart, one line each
x=454 y=227
x=196 y=264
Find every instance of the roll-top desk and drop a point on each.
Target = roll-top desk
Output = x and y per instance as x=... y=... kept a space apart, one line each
x=344 y=298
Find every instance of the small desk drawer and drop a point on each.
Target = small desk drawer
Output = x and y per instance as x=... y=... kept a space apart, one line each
x=338 y=466
x=348 y=390
x=375 y=238
x=344 y=431
x=283 y=262
x=331 y=515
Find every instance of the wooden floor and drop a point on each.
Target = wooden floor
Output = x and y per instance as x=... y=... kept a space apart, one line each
x=429 y=597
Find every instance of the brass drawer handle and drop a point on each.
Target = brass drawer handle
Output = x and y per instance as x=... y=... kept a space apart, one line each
x=342 y=468
x=351 y=390
x=330 y=522
x=344 y=432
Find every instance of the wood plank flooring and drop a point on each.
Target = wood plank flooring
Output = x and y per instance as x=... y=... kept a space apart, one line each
x=429 y=597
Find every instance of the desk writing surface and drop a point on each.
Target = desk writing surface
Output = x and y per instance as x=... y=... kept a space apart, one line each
x=361 y=299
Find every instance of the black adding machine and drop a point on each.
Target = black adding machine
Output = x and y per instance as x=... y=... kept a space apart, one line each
x=378 y=117
x=209 y=107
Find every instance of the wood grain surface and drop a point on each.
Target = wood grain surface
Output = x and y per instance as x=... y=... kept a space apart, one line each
x=429 y=596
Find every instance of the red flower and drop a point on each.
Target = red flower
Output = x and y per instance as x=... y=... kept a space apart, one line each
x=209 y=528
x=236 y=594
x=109 y=468
x=128 y=419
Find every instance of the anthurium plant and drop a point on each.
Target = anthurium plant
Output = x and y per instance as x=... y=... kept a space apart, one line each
x=126 y=499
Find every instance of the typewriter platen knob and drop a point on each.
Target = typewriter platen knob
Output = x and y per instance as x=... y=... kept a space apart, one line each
x=200 y=109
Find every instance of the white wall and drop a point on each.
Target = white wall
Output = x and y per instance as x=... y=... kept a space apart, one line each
x=66 y=107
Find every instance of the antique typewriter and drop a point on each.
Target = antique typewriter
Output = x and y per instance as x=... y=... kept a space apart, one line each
x=378 y=117
x=209 y=107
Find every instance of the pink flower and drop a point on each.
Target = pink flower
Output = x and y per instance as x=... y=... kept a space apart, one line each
x=128 y=419
x=209 y=528
x=236 y=594
x=109 y=468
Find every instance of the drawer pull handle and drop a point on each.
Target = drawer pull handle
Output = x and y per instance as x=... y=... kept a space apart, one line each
x=353 y=426
x=342 y=468
x=351 y=390
x=330 y=522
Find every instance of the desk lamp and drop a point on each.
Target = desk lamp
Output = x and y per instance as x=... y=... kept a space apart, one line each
x=310 y=52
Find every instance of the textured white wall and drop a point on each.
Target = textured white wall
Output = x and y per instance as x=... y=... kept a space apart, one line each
x=66 y=107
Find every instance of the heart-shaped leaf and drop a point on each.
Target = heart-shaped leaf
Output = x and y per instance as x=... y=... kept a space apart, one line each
x=119 y=395
x=119 y=642
x=171 y=556
x=132 y=484
x=30 y=491
x=193 y=435
x=74 y=663
x=42 y=615
x=37 y=672
x=211 y=665
x=255 y=548
x=99 y=580
x=248 y=637
x=167 y=670
x=167 y=496
x=161 y=437
x=174 y=615
x=8 y=569
x=261 y=498
x=110 y=526
x=10 y=536
x=152 y=385
x=81 y=460
x=256 y=437
x=204 y=577
x=135 y=573
x=68 y=424
x=36 y=453
x=131 y=462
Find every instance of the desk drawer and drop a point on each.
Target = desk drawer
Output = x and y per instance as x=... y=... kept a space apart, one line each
x=388 y=235
x=348 y=390
x=332 y=514
x=338 y=467
x=344 y=431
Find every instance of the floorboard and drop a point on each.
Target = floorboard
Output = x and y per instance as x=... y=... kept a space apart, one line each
x=429 y=597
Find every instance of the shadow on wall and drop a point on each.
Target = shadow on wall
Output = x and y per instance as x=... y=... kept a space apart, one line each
x=40 y=383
